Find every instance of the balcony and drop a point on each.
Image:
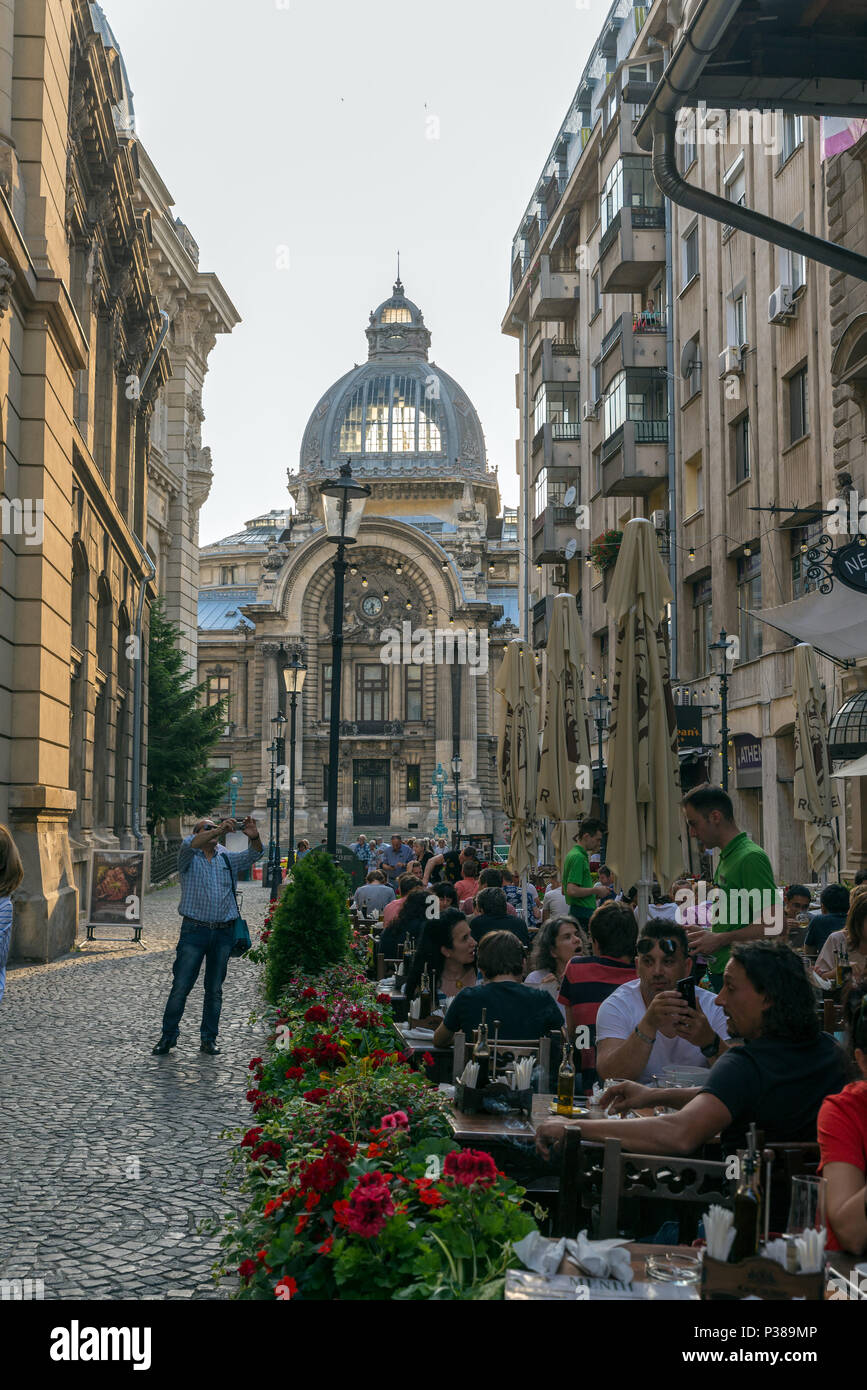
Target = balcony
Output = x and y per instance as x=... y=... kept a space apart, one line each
x=555 y=295
x=632 y=249
x=635 y=458
x=560 y=360
x=559 y=440
x=634 y=340
x=552 y=531
x=372 y=728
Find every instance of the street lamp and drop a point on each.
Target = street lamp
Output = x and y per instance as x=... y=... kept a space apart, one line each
x=601 y=704
x=723 y=646
x=456 y=770
x=278 y=759
x=343 y=503
x=293 y=677
x=439 y=784
x=235 y=782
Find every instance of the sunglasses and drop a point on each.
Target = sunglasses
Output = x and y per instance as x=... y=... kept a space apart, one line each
x=667 y=946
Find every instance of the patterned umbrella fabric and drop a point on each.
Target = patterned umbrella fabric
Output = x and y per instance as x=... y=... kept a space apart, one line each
x=816 y=802
x=565 y=745
x=517 y=686
x=643 y=793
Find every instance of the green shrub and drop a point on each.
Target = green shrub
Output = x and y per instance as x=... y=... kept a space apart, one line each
x=310 y=928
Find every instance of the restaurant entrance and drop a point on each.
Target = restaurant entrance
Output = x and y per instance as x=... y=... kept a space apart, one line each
x=371 y=798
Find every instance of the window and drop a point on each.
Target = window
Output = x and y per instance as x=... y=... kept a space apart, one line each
x=801 y=538
x=218 y=688
x=693 y=376
x=326 y=691
x=392 y=414
x=735 y=184
x=702 y=629
x=693 y=486
x=540 y=493
x=557 y=405
x=227 y=574
x=749 y=602
x=737 y=319
x=638 y=395
x=371 y=692
x=597 y=293
x=741 y=448
x=792 y=135
x=538 y=410
x=690 y=256
x=413 y=693
x=396 y=316
x=685 y=137
x=799 y=421
x=631 y=184
x=793 y=268
x=614 y=406
x=413 y=782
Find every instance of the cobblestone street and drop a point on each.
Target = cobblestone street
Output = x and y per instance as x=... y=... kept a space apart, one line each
x=110 y=1156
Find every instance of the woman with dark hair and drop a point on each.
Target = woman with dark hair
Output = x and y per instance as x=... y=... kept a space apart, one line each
x=447 y=894
x=443 y=868
x=842 y=1131
x=555 y=945
x=521 y=1012
x=447 y=950
x=409 y=921
x=853 y=938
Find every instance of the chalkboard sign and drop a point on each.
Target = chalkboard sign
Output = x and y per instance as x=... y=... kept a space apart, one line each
x=849 y=564
x=350 y=863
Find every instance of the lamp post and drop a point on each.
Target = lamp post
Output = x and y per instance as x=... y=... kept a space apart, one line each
x=235 y=782
x=438 y=785
x=293 y=677
x=723 y=646
x=278 y=759
x=456 y=770
x=600 y=702
x=343 y=503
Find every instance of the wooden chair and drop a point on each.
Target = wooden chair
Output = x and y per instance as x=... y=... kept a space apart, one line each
x=602 y=1176
x=385 y=966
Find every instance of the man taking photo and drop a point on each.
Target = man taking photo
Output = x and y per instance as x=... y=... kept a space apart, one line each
x=209 y=907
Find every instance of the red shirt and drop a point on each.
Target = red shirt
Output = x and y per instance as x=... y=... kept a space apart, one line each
x=842 y=1133
x=466 y=888
x=587 y=983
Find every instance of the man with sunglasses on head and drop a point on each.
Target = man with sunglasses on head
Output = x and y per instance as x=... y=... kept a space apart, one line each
x=646 y=1025
x=208 y=907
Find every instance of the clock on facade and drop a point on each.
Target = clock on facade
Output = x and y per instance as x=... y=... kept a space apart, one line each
x=371 y=606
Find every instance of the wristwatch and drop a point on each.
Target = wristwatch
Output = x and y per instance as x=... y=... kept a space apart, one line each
x=644 y=1038
x=712 y=1048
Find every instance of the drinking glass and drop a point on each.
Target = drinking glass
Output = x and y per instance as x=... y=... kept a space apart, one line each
x=807 y=1206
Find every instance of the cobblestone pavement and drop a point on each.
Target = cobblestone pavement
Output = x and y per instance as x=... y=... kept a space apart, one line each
x=111 y=1157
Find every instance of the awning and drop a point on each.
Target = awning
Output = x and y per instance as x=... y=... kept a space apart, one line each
x=835 y=624
x=856 y=769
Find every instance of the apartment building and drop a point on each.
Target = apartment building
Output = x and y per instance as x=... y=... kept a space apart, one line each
x=674 y=368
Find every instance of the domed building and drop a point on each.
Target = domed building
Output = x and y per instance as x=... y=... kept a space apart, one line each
x=430 y=600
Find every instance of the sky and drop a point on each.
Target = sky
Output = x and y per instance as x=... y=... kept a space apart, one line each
x=304 y=143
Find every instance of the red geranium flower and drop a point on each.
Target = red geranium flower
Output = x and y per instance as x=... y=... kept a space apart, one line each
x=398 y=1119
x=383 y=999
x=316 y=1095
x=370 y=1206
x=326 y=1247
x=256 y=1062
x=247 y=1269
x=316 y=1014
x=252 y=1137
x=309 y=993
x=427 y=1059
x=300 y=1224
x=341 y=1212
x=286 y=1288
x=339 y=1145
x=469 y=1166
x=431 y=1197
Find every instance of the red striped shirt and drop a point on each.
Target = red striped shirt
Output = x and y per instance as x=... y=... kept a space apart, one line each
x=587 y=983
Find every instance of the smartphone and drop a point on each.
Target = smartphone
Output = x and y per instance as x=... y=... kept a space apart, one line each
x=686 y=989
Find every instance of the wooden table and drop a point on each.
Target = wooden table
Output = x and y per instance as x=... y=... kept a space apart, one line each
x=523 y=1285
x=467 y=1128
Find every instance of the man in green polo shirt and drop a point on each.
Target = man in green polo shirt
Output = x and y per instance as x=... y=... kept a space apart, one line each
x=747 y=903
x=581 y=893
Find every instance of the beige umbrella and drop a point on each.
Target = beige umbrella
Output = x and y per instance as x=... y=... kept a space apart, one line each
x=816 y=802
x=565 y=745
x=517 y=686
x=643 y=793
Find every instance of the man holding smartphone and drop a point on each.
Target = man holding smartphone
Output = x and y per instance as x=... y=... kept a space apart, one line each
x=661 y=1019
x=209 y=907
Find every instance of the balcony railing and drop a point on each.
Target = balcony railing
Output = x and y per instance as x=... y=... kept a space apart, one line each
x=564 y=347
x=389 y=728
x=563 y=516
x=562 y=430
x=609 y=234
x=651 y=431
x=649 y=321
x=611 y=336
x=648 y=217
x=612 y=443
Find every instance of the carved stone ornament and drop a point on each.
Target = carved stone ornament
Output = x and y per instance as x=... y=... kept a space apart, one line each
x=467 y=560
x=275 y=558
x=7 y=280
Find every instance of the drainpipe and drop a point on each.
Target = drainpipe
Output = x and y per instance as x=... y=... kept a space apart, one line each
x=146 y=579
x=672 y=460
x=656 y=130
x=525 y=490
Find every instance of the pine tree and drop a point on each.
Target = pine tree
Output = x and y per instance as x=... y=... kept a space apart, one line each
x=181 y=731
x=310 y=928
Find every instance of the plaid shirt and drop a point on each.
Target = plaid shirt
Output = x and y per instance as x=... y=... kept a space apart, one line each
x=206 y=884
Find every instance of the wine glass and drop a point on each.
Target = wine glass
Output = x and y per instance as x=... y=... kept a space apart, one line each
x=807 y=1206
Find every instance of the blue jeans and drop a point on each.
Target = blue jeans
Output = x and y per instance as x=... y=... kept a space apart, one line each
x=197 y=944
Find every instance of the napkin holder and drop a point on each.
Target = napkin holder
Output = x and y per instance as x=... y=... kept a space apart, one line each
x=757 y=1277
x=469 y=1100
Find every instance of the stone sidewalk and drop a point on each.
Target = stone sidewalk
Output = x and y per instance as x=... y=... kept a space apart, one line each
x=110 y=1157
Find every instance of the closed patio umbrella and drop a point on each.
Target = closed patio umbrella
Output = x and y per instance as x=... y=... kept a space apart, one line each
x=517 y=686
x=816 y=802
x=565 y=745
x=643 y=793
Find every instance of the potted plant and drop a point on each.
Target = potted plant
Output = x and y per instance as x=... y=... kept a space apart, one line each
x=605 y=550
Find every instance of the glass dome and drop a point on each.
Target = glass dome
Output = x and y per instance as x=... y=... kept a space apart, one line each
x=847 y=737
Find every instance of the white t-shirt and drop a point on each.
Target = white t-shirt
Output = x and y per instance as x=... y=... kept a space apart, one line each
x=554 y=903
x=623 y=1010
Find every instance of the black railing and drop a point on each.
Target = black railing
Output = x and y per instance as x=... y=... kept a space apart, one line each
x=612 y=444
x=609 y=234
x=564 y=516
x=650 y=431
x=611 y=336
x=387 y=728
x=563 y=430
x=649 y=321
x=648 y=217
x=164 y=857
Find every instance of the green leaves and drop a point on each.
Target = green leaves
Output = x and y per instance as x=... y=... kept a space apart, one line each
x=310 y=929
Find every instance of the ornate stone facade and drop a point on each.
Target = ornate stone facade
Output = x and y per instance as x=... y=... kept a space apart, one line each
x=434 y=553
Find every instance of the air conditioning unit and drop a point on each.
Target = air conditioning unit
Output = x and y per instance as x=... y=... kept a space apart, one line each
x=589 y=410
x=731 y=361
x=781 y=305
x=659 y=518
